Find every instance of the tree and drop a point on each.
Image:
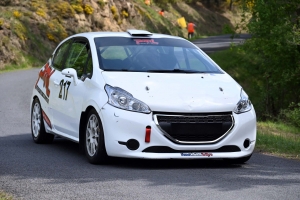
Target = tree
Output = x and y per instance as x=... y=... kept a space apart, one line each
x=276 y=38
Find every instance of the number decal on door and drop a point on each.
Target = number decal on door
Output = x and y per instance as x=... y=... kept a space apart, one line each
x=63 y=85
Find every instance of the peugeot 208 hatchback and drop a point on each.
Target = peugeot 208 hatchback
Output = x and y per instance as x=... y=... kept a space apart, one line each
x=136 y=94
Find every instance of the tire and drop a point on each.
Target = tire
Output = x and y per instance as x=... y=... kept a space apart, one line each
x=38 y=132
x=94 y=144
x=238 y=160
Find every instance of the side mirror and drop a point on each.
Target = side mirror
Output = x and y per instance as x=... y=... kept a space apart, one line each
x=70 y=72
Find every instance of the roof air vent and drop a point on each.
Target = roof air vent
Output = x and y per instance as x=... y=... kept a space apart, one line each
x=133 y=32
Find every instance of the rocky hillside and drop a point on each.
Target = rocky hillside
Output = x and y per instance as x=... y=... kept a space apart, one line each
x=30 y=29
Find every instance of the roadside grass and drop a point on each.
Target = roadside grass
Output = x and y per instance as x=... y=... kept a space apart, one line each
x=5 y=196
x=279 y=139
x=197 y=37
x=26 y=62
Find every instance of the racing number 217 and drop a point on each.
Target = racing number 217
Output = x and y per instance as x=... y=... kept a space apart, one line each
x=63 y=84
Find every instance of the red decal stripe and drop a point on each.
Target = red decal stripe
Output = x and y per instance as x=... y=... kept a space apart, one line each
x=47 y=120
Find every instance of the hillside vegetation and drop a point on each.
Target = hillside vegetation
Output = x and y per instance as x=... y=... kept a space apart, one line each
x=30 y=29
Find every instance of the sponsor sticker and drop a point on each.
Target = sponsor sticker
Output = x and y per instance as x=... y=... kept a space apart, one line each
x=42 y=93
x=204 y=154
x=145 y=41
x=45 y=75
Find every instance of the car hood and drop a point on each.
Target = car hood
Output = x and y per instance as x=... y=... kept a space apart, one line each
x=179 y=92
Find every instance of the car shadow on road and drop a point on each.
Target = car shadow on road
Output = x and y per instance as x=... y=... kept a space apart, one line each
x=169 y=163
x=63 y=144
x=62 y=150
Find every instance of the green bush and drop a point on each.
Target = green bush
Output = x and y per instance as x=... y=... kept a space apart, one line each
x=292 y=114
x=227 y=29
x=101 y=3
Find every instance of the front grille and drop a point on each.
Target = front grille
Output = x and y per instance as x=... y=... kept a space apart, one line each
x=208 y=128
x=194 y=119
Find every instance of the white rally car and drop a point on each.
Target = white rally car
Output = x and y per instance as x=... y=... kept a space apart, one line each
x=136 y=94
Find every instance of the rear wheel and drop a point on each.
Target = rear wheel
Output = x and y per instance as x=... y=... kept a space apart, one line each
x=238 y=160
x=38 y=131
x=94 y=139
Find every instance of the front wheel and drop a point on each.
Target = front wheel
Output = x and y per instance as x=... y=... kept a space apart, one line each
x=94 y=139
x=39 y=134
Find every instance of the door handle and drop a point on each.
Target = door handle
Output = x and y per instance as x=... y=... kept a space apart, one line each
x=56 y=83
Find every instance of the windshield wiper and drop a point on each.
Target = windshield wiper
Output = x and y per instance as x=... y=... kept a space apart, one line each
x=176 y=71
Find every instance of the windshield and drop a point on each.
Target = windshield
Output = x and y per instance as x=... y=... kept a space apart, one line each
x=152 y=55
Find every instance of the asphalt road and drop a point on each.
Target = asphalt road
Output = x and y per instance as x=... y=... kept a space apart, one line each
x=61 y=171
x=217 y=43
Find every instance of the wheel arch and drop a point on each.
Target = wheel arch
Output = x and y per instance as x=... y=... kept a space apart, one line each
x=33 y=98
x=87 y=106
x=83 y=118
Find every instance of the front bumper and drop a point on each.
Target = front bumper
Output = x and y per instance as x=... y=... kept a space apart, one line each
x=120 y=126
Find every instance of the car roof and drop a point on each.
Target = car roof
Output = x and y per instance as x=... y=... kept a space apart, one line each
x=127 y=34
x=134 y=34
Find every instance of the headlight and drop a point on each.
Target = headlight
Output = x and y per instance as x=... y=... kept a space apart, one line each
x=120 y=98
x=244 y=105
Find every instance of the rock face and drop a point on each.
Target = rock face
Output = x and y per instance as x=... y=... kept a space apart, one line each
x=37 y=26
x=31 y=29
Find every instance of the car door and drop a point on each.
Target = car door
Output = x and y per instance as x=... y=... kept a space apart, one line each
x=56 y=63
x=70 y=92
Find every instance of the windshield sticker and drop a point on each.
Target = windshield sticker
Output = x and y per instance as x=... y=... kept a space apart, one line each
x=197 y=154
x=145 y=41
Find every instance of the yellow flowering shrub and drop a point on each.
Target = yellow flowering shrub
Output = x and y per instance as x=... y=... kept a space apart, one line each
x=114 y=12
x=50 y=37
x=34 y=5
x=250 y=4
x=41 y=13
x=63 y=9
x=20 y=30
x=77 y=8
x=125 y=13
x=88 y=9
x=113 y=9
x=55 y=31
x=38 y=4
x=17 y=14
